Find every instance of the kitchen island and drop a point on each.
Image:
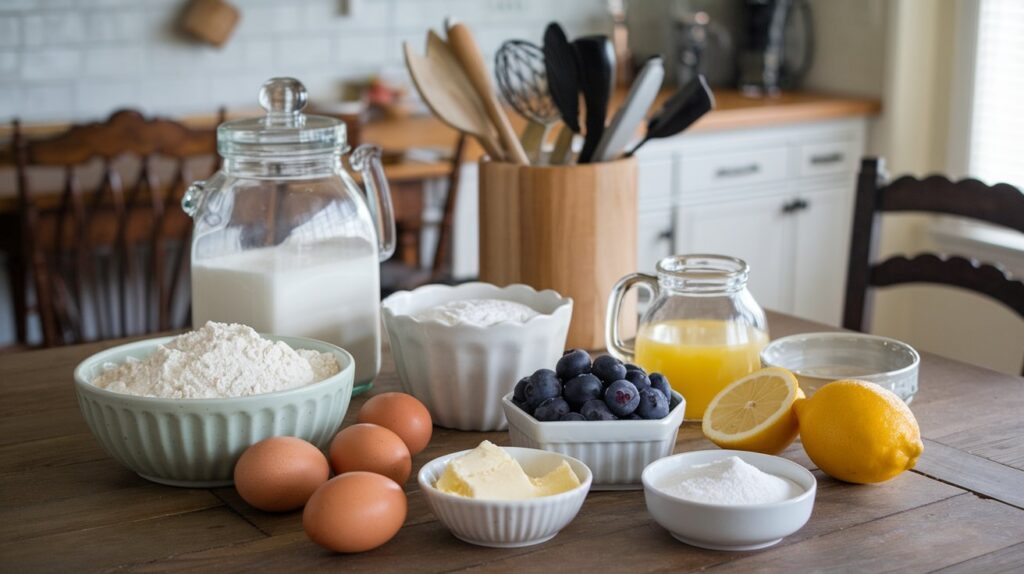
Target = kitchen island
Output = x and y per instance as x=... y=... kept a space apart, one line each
x=65 y=505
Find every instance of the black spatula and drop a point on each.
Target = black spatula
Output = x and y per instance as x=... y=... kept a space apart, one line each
x=597 y=65
x=562 y=66
x=679 y=111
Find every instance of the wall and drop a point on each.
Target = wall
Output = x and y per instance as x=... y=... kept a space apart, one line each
x=64 y=59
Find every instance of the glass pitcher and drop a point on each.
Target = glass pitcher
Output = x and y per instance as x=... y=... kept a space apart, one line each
x=702 y=330
x=284 y=240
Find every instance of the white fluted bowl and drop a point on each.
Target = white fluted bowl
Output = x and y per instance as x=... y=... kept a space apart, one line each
x=196 y=442
x=507 y=523
x=616 y=451
x=460 y=372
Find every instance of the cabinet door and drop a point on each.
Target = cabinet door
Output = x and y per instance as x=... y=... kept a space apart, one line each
x=755 y=230
x=654 y=238
x=822 y=249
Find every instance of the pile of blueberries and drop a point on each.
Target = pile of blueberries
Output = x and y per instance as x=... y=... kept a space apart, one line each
x=603 y=390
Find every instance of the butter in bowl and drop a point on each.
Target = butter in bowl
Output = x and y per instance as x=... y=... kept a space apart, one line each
x=505 y=497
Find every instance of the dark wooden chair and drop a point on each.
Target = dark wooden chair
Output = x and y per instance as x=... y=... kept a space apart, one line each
x=999 y=204
x=398 y=274
x=104 y=253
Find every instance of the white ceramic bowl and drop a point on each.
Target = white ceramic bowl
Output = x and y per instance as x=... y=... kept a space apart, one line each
x=616 y=451
x=460 y=372
x=507 y=523
x=728 y=527
x=820 y=358
x=196 y=442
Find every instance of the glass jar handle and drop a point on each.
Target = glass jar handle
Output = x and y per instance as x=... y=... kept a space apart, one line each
x=193 y=197
x=612 y=337
x=366 y=160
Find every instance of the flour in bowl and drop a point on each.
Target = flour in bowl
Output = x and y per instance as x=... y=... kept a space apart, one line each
x=478 y=312
x=218 y=360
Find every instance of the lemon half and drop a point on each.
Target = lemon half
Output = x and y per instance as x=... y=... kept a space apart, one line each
x=755 y=413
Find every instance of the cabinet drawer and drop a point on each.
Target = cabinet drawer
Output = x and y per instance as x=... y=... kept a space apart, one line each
x=739 y=168
x=827 y=158
x=655 y=235
x=654 y=179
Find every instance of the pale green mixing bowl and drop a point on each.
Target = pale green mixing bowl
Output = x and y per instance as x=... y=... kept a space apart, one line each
x=196 y=442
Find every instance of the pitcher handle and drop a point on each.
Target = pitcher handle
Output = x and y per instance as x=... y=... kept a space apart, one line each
x=366 y=160
x=612 y=337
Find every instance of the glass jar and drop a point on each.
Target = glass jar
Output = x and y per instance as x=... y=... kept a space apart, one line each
x=284 y=240
x=702 y=329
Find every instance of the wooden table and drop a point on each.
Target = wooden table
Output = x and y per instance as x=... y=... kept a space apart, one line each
x=66 y=506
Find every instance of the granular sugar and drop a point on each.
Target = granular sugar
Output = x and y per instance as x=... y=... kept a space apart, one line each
x=218 y=360
x=478 y=312
x=730 y=481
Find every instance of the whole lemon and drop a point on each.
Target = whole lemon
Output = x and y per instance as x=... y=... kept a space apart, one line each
x=858 y=432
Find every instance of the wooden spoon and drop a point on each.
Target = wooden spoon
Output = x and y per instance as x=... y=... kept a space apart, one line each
x=461 y=40
x=448 y=93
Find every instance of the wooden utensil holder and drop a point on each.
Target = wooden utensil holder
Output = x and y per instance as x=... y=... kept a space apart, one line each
x=567 y=228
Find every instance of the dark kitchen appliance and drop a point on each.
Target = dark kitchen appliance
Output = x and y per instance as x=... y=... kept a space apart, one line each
x=778 y=44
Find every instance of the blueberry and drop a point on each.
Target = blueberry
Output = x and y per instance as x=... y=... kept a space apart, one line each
x=581 y=389
x=596 y=410
x=551 y=409
x=658 y=381
x=542 y=385
x=573 y=363
x=621 y=398
x=519 y=393
x=632 y=367
x=608 y=369
x=522 y=405
x=653 y=404
x=572 y=417
x=639 y=379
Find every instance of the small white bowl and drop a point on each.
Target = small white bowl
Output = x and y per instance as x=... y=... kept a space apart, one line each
x=616 y=451
x=728 y=527
x=460 y=372
x=507 y=523
x=196 y=442
x=820 y=358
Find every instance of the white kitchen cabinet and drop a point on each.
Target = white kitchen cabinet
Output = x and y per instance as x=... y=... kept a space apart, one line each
x=725 y=192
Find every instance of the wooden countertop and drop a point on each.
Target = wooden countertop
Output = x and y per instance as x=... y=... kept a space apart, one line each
x=67 y=506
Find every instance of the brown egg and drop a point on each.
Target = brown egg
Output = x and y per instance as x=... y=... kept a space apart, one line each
x=403 y=414
x=280 y=473
x=355 y=512
x=372 y=448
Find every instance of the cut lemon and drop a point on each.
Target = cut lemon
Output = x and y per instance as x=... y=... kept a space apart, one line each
x=755 y=413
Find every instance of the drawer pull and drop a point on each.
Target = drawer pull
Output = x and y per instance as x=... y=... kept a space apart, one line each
x=825 y=159
x=795 y=205
x=737 y=171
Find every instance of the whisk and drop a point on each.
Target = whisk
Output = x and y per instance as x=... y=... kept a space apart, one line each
x=523 y=81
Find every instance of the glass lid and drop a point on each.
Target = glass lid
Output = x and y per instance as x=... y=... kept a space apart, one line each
x=284 y=132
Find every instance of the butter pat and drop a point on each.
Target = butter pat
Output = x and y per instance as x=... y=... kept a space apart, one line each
x=488 y=472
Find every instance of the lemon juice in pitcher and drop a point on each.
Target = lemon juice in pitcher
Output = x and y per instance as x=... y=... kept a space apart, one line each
x=703 y=329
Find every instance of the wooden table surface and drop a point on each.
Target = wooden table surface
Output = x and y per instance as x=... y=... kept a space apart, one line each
x=66 y=506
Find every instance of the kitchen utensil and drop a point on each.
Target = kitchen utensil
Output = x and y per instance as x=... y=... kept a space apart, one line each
x=522 y=78
x=444 y=87
x=252 y=249
x=820 y=358
x=702 y=329
x=629 y=115
x=616 y=451
x=767 y=63
x=460 y=372
x=679 y=112
x=195 y=442
x=562 y=65
x=461 y=40
x=507 y=523
x=728 y=527
x=597 y=69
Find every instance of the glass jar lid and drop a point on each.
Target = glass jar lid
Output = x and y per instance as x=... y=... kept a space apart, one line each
x=284 y=132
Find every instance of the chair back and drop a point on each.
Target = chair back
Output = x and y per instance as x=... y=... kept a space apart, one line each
x=106 y=247
x=1000 y=204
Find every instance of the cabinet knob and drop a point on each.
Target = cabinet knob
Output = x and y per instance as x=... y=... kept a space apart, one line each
x=796 y=205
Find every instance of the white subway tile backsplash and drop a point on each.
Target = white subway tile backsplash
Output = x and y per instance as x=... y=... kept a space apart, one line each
x=49 y=28
x=70 y=59
x=50 y=63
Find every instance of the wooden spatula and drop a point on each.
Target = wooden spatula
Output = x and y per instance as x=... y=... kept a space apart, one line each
x=461 y=40
x=448 y=93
